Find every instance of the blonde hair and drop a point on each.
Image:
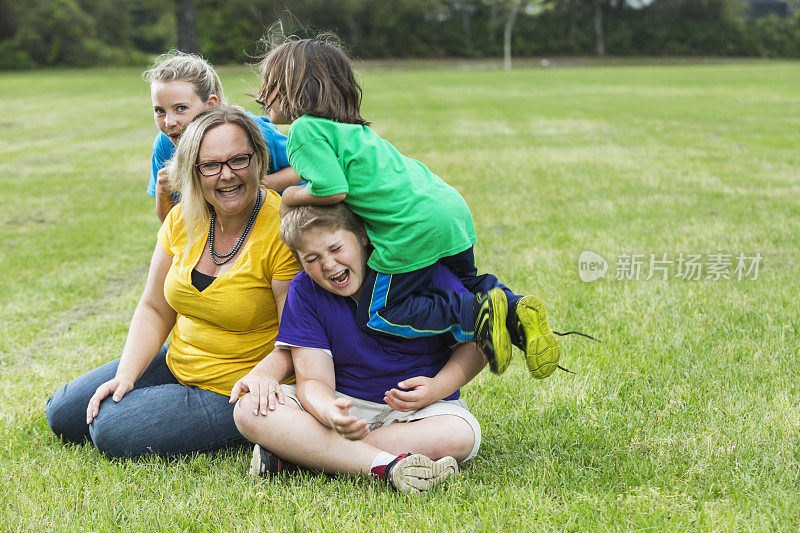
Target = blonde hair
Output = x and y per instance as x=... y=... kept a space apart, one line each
x=180 y=66
x=183 y=174
x=334 y=217
x=312 y=77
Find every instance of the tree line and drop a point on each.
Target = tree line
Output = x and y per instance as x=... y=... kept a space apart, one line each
x=42 y=33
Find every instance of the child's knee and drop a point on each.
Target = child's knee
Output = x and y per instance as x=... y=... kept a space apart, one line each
x=249 y=423
x=455 y=437
x=462 y=439
x=254 y=426
x=243 y=417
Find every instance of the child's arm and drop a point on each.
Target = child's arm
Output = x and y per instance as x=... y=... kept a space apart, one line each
x=278 y=181
x=297 y=195
x=465 y=363
x=164 y=201
x=316 y=383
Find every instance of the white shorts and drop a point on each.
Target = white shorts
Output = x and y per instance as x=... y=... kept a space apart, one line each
x=379 y=414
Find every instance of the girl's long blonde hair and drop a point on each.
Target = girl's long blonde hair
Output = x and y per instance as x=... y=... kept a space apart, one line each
x=184 y=176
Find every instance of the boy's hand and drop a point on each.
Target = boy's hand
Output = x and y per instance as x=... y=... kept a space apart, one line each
x=268 y=181
x=342 y=423
x=265 y=392
x=298 y=195
x=281 y=179
x=421 y=392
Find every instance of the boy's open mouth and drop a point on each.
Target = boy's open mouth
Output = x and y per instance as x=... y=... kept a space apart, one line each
x=342 y=278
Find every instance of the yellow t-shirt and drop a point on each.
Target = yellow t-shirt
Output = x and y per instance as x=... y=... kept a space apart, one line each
x=221 y=333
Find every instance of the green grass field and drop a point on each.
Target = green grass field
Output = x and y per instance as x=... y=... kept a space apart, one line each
x=686 y=417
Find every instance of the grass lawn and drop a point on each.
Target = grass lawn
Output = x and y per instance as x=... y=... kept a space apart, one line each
x=687 y=416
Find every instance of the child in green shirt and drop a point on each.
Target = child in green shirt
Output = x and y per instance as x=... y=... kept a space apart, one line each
x=412 y=217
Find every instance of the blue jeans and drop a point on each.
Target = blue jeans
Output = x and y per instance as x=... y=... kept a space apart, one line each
x=158 y=416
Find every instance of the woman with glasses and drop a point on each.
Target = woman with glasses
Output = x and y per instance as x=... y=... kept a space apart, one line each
x=181 y=87
x=218 y=280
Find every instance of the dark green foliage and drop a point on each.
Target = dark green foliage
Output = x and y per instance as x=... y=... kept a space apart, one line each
x=12 y=58
x=66 y=32
x=774 y=37
x=154 y=25
x=665 y=27
x=53 y=32
x=91 y=32
x=230 y=29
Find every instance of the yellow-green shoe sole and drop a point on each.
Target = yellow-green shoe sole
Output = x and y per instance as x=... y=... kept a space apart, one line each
x=542 y=349
x=500 y=336
x=496 y=342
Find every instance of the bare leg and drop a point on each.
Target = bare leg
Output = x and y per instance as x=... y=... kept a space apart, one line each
x=437 y=436
x=298 y=437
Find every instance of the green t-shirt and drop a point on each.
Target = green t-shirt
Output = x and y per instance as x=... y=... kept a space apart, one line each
x=412 y=217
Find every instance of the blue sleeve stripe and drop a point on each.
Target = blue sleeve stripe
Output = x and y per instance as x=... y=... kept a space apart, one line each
x=376 y=322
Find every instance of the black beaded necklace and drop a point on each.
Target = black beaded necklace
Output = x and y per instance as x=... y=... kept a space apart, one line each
x=227 y=257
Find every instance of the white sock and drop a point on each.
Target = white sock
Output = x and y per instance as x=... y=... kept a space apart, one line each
x=382 y=459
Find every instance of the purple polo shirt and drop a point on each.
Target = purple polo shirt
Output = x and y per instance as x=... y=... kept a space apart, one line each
x=365 y=366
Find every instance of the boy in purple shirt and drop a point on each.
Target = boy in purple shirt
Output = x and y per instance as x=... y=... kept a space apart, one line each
x=363 y=405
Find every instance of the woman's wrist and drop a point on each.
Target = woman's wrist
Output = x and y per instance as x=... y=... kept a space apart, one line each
x=263 y=375
x=125 y=377
x=277 y=364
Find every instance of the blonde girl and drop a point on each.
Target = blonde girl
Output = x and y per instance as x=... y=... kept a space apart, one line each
x=181 y=87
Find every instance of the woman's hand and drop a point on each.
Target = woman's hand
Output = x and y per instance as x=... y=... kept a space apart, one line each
x=265 y=391
x=421 y=392
x=119 y=387
x=342 y=423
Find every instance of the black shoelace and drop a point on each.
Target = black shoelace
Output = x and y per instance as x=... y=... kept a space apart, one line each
x=576 y=333
x=573 y=333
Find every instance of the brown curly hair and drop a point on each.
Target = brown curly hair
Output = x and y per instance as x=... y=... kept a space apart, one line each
x=311 y=77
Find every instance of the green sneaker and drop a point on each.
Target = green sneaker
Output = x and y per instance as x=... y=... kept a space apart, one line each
x=491 y=334
x=541 y=347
